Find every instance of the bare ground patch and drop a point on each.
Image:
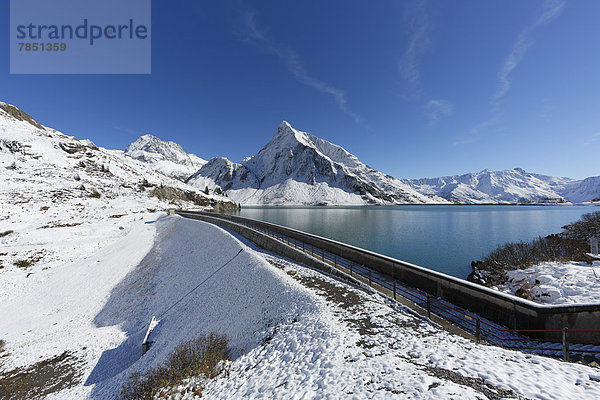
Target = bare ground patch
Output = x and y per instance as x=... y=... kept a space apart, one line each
x=42 y=378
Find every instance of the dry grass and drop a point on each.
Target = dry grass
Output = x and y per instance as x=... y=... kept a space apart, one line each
x=202 y=356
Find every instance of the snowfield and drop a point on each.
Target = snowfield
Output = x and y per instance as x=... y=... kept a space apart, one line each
x=295 y=333
x=557 y=283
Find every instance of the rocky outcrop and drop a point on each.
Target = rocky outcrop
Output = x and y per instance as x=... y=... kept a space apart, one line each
x=20 y=115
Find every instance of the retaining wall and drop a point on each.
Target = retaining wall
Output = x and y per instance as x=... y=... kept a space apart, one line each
x=507 y=310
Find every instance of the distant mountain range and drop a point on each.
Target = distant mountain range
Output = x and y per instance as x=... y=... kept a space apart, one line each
x=508 y=187
x=297 y=168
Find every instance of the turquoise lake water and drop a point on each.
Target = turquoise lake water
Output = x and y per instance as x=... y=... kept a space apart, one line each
x=443 y=238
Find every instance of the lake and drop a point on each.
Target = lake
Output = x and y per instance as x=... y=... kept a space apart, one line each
x=445 y=238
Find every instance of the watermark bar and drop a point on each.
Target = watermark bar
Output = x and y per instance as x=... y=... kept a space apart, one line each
x=80 y=37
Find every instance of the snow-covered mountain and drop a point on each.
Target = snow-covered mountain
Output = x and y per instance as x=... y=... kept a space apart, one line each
x=168 y=157
x=297 y=168
x=56 y=180
x=508 y=187
x=586 y=190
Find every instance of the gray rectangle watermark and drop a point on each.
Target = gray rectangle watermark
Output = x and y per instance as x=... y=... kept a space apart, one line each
x=80 y=36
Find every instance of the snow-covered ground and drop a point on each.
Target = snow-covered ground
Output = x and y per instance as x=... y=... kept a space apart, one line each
x=87 y=258
x=557 y=283
x=295 y=333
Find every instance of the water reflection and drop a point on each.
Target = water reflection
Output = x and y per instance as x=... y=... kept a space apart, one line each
x=444 y=238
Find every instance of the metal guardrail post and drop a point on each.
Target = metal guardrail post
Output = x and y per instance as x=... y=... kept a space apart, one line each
x=335 y=260
x=351 y=268
x=565 y=340
x=478 y=330
x=370 y=281
x=312 y=250
x=394 y=289
x=303 y=247
x=428 y=307
x=323 y=255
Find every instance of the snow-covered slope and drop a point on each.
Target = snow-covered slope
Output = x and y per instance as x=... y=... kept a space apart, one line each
x=168 y=157
x=297 y=168
x=51 y=181
x=583 y=191
x=293 y=332
x=509 y=186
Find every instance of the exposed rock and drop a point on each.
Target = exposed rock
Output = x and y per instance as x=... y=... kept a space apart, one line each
x=20 y=115
x=524 y=291
x=173 y=194
x=224 y=208
x=72 y=148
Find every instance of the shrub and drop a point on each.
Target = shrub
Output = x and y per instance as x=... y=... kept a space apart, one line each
x=587 y=227
x=202 y=356
x=525 y=254
x=569 y=245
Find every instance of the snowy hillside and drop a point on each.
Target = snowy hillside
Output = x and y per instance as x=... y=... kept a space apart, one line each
x=57 y=185
x=293 y=332
x=509 y=186
x=297 y=168
x=583 y=191
x=167 y=157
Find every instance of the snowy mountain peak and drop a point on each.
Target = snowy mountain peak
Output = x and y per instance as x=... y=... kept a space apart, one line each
x=296 y=167
x=168 y=157
x=288 y=136
x=284 y=125
x=148 y=147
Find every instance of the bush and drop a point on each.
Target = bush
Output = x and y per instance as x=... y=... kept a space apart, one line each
x=587 y=227
x=569 y=245
x=202 y=356
x=525 y=254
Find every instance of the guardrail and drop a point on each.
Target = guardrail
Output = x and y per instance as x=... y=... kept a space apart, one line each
x=556 y=342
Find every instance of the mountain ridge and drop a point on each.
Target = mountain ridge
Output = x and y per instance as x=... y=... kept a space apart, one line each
x=297 y=168
x=514 y=186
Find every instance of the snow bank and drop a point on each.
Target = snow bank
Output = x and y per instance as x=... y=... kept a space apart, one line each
x=557 y=283
x=98 y=307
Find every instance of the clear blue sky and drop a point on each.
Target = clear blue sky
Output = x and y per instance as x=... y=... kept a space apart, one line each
x=413 y=88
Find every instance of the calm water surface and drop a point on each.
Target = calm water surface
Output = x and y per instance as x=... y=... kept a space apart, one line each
x=443 y=238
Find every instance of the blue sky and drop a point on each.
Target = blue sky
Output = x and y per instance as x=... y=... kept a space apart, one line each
x=413 y=88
